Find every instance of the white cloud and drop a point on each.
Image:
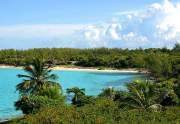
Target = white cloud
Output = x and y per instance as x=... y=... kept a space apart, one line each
x=169 y=27
x=133 y=37
x=113 y=31
x=92 y=32
x=38 y=35
x=157 y=25
x=155 y=6
x=112 y=35
x=39 y=30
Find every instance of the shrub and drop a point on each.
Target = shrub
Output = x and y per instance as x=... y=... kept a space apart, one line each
x=31 y=104
x=103 y=111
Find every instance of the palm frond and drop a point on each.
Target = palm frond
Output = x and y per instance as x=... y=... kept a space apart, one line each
x=37 y=75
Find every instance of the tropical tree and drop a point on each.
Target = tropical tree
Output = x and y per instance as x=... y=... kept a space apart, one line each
x=141 y=95
x=169 y=92
x=108 y=93
x=79 y=97
x=38 y=76
x=153 y=64
x=32 y=104
x=38 y=88
x=176 y=48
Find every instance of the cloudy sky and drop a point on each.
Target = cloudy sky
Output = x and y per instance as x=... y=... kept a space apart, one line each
x=89 y=23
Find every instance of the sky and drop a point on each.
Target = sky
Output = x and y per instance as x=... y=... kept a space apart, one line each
x=130 y=24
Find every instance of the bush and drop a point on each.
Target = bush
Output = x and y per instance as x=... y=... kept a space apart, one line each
x=31 y=104
x=52 y=92
x=103 y=111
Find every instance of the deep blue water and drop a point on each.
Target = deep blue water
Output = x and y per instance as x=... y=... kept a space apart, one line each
x=93 y=82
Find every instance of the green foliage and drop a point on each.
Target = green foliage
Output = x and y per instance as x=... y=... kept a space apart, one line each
x=79 y=97
x=140 y=103
x=31 y=104
x=38 y=76
x=38 y=89
x=162 y=63
x=108 y=93
x=159 y=65
x=48 y=96
x=176 y=48
x=52 y=92
x=176 y=67
x=141 y=95
x=169 y=95
x=84 y=57
x=103 y=111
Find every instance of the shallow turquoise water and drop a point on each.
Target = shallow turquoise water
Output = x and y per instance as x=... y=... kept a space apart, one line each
x=93 y=82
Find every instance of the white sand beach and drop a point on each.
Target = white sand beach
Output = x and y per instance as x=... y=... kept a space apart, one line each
x=95 y=69
x=92 y=69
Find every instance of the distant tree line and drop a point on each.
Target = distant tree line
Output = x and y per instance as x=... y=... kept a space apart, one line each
x=160 y=61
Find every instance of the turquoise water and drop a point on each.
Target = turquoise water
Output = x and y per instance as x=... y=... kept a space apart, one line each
x=93 y=82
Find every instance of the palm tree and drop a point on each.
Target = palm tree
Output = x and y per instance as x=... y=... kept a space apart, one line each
x=38 y=75
x=141 y=95
x=78 y=95
x=108 y=93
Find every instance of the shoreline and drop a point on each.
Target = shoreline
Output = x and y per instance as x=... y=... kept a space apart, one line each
x=77 y=68
x=90 y=69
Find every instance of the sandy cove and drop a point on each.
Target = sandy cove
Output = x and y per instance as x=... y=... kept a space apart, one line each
x=92 y=69
x=95 y=69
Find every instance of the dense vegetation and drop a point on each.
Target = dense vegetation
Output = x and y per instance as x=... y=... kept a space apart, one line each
x=154 y=101
x=103 y=111
x=38 y=88
x=117 y=58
